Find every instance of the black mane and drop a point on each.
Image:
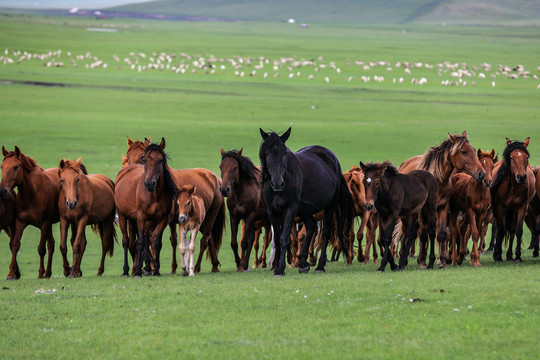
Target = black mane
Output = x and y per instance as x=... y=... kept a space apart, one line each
x=248 y=170
x=273 y=140
x=170 y=185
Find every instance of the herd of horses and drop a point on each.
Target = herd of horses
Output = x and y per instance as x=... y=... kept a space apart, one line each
x=302 y=201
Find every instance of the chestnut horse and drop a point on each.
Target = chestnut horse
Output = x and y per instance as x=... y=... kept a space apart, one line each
x=241 y=185
x=155 y=197
x=454 y=154
x=411 y=197
x=36 y=203
x=473 y=200
x=355 y=181
x=512 y=190
x=85 y=199
x=302 y=184
x=191 y=213
x=124 y=194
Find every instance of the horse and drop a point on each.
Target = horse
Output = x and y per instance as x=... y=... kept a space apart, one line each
x=8 y=214
x=354 y=178
x=126 y=184
x=191 y=213
x=302 y=184
x=36 y=203
x=512 y=190
x=411 y=197
x=85 y=199
x=455 y=153
x=241 y=185
x=155 y=196
x=533 y=216
x=473 y=200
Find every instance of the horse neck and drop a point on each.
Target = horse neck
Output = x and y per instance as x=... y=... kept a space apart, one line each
x=31 y=183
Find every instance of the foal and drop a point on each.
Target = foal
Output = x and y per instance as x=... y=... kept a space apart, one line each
x=191 y=215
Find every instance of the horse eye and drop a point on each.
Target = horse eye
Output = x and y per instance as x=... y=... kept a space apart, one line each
x=62 y=181
x=464 y=152
x=16 y=167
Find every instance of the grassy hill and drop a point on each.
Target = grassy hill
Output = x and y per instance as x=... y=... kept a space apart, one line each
x=494 y=12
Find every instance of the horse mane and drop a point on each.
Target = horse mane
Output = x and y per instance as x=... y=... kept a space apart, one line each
x=27 y=162
x=73 y=165
x=504 y=169
x=170 y=185
x=391 y=170
x=247 y=168
x=435 y=159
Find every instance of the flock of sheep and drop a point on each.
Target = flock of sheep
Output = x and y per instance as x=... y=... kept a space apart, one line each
x=447 y=73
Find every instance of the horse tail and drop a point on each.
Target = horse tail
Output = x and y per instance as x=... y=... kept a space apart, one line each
x=397 y=234
x=217 y=230
x=344 y=213
x=98 y=229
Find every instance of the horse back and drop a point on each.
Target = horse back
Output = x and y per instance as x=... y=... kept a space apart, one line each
x=410 y=164
x=419 y=187
x=125 y=189
x=206 y=182
x=102 y=191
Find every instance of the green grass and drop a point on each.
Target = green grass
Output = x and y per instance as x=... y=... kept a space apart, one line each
x=350 y=312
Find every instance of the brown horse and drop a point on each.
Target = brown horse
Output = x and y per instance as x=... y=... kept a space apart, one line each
x=126 y=184
x=7 y=214
x=191 y=213
x=473 y=200
x=241 y=185
x=533 y=216
x=355 y=181
x=512 y=190
x=85 y=199
x=156 y=196
x=36 y=204
x=454 y=154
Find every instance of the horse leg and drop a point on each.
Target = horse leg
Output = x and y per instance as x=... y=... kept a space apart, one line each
x=443 y=236
x=412 y=231
x=234 y=242
x=15 y=245
x=247 y=240
x=63 y=245
x=174 y=242
x=141 y=245
x=519 y=232
x=123 y=223
x=511 y=219
x=310 y=225
x=182 y=247
x=475 y=234
x=454 y=233
x=284 y=237
x=314 y=237
x=536 y=238
x=326 y=233
x=386 y=228
x=77 y=248
x=191 y=252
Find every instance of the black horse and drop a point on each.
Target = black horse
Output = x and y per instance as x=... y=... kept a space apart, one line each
x=412 y=197
x=302 y=184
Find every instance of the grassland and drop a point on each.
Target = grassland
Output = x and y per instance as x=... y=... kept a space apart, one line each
x=350 y=312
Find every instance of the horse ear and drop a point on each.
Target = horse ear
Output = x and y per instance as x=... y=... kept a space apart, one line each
x=362 y=166
x=162 y=143
x=4 y=151
x=222 y=152
x=464 y=133
x=62 y=164
x=239 y=153
x=147 y=141
x=496 y=158
x=526 y=143
x=381 y=169
x=263 y=134
x=192 y=189
x=286 y=135
x=129 y=141
x=17 y=150
x=508 y=141
x=452 y=138
x=492 y=153
x=478 y=152
x=124 y=160
x=79 y=161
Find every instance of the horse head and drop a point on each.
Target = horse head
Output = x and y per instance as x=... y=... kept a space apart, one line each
x=273 y=154
x=488 y=160
x=373 y=181
x=13 y=166
x=185 y=202
x=154 y=160
x=70 y=173
x=136 y=150
x=230 y=172
x=517 y=157
x=463 y=157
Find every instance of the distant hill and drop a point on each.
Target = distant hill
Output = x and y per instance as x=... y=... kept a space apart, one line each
x=483 y=12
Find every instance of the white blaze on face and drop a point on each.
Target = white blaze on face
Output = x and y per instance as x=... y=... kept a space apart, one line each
x=368 y=180
x=519 y=153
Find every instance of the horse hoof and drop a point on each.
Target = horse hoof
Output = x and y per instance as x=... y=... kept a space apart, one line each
x=443 y=266
x=146 y=273
x=518 y=260
x=137 y=276
x=320 y=271
x=10 y=278
x=125 y=275
x=278 y=275
x=303 y=270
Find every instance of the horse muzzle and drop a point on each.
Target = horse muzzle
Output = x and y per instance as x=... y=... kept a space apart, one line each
x=150 y=185
x=479 y=176
x=521 y=179
x=182 y=218
x=225 y=191
x=368 y=207
x=4 y=193
x=277 y=187
x=486 y=182
x=71 y=204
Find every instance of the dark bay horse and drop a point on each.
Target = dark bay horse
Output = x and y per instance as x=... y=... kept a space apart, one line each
x=85 y=199
x=7 y=214
x=454 y=154
x=411 y=197
x=302 y=184
x=512 y=190
x=533 y=216
x=156 y=196
x=241 y=185
x=36 y=204
x=473 y=200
